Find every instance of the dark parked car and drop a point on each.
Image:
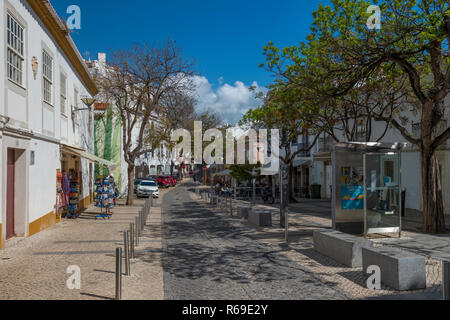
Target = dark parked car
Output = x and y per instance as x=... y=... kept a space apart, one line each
x=136 y=183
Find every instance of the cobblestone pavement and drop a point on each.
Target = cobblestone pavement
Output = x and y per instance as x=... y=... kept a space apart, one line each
x=35 y=268
x=208 y=256
x=312 y=215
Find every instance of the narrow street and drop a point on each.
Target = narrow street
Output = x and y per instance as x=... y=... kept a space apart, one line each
x=206 y=257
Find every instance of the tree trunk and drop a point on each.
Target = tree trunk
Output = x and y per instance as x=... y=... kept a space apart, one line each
x=290 y=190
x=130 y=195
x=432 y=200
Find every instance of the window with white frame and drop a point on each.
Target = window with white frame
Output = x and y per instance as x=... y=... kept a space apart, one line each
x=47 y=75
x=15 y=52
x=63 y=90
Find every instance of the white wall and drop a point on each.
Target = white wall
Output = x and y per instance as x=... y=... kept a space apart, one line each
x=411 y=179
x=42 y=178
x=43 y=118
x=27 y=111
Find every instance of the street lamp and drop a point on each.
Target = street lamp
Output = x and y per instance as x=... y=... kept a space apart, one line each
x=88 y=102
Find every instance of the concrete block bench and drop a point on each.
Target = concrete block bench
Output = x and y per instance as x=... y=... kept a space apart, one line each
x=242 y=212
x=400 y=270
x=339 y=246
x=260 y=218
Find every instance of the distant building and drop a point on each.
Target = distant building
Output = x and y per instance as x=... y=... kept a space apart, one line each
x=108 y=134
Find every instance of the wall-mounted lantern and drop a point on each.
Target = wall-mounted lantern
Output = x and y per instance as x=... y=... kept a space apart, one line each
x=34 y=66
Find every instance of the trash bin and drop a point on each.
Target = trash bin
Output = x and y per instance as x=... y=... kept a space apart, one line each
x=315 y=191
x=403 y=202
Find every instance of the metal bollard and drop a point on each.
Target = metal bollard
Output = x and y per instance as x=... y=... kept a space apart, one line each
x=446 y=279
x=137 y=231
x=132 y=240
x=126 y=247
x=231 y=206
x=118 y=273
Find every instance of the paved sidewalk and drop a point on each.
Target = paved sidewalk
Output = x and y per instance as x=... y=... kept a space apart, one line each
x=35 y=268
x=210 y=255
x=312 y=215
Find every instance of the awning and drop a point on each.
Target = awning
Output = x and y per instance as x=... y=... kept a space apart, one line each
x=89 y=156
x=223 y=173
x=301 y=162
x=322 y=156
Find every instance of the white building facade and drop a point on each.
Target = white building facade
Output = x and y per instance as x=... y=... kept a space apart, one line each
x=43 y=81
x=315 y=167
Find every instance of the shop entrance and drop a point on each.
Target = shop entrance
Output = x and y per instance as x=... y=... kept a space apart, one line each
x=71 y=185
x=10 y=194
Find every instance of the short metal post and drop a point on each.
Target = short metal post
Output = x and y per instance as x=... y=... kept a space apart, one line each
x=137 y=231
x=127 y=252
x=132 y=240
x=446 y=279
x=231 y=206
x=144 y=219
x=118 y=273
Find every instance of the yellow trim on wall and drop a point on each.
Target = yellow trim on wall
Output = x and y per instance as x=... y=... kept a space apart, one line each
x=42 y=223
x=85 y=202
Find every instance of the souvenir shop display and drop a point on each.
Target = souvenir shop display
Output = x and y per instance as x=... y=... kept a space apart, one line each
x=60 y=207
x=67 y=194
x=105 y=199
x=74 y=195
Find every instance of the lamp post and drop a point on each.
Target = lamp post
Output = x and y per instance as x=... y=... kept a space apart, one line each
x=88 y=103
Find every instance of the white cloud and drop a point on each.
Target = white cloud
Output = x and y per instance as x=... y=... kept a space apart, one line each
x=229 y=101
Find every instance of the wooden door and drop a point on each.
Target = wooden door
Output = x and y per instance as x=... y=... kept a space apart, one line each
x=10 y=187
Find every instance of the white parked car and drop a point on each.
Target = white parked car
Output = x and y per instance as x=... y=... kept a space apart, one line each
x=147 y=188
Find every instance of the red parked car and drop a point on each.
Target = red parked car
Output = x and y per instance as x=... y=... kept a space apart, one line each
x=173 y=182
x=163 y=181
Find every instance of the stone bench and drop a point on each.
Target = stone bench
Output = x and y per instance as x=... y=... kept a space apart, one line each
x=260 y=218
x=400 y=270
x=242 y=212
x=339 y=246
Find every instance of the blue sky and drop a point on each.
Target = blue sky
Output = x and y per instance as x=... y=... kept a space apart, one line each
x=224 y=37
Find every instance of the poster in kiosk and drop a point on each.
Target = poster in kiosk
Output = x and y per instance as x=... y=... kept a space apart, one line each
x=367 y=193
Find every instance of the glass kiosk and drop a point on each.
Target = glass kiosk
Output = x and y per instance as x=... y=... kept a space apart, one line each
x=367 y=188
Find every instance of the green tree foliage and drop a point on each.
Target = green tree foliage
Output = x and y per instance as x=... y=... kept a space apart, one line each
x=401 y=72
